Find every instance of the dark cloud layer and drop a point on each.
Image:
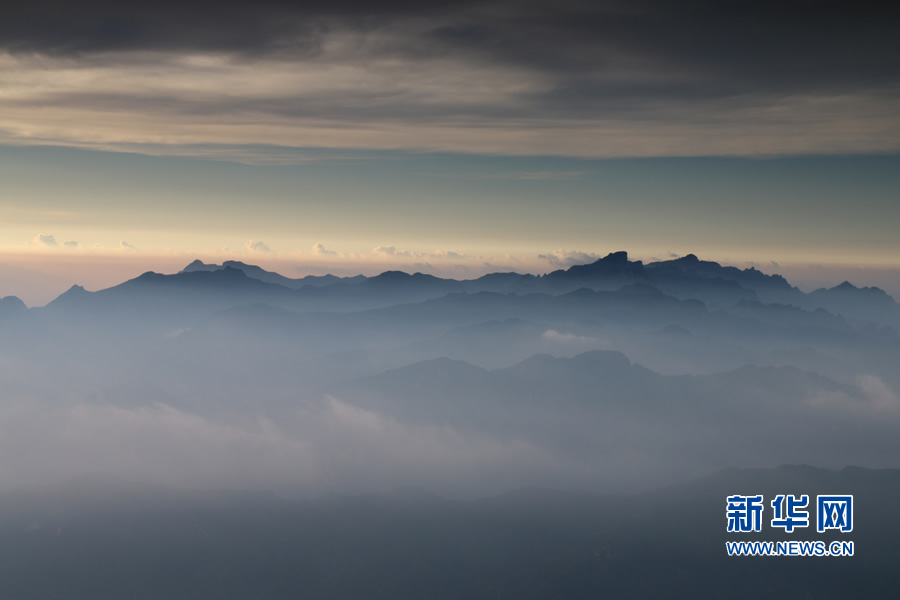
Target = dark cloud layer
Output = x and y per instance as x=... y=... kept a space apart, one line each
x=606 y=78
x=777 y=45
x=58 y=26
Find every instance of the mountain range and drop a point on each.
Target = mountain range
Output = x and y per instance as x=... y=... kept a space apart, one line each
x=614 y=373
x=206 y=288
x=574 y=434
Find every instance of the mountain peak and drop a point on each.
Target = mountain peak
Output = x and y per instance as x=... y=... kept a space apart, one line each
x=11 y=304
x=691 y=261
x=620 y=256
x=236 y=264
x=392 y=275
x=199 y=265
x=592 y=361
x=73 y=296
x=848 y=287
x=149 y=275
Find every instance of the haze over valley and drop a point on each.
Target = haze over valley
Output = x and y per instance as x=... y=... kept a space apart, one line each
x=611 y=376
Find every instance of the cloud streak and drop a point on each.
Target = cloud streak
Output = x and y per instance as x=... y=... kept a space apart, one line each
x=394 y=252
x=328 y=445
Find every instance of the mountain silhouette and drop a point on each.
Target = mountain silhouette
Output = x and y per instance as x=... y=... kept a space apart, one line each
x=261 y=274
x=864 y=303
x=687 y=278
x=181 y=295
x=11 y=305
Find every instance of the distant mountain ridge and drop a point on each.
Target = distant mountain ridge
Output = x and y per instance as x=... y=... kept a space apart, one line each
x=589 y=379
x=685 y=277
x=257 y=272
x=688 y=277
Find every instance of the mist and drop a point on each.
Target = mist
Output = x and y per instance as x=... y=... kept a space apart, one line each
x=609 y=377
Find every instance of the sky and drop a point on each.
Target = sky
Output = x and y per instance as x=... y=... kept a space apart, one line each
x=450 y=137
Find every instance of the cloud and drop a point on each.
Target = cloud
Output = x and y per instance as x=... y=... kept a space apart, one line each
x=260 y=247
x=551 y=335
x=322 y=446
x=874 y=399
x=390 y=251
x=46 y=240
x=322 y=250
x=393 y=252
x=566 y=258
x=575 y=78
x=536 y=175
x=126 y=246
x=70 y=244
x=878 y=392
x=586 y=46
